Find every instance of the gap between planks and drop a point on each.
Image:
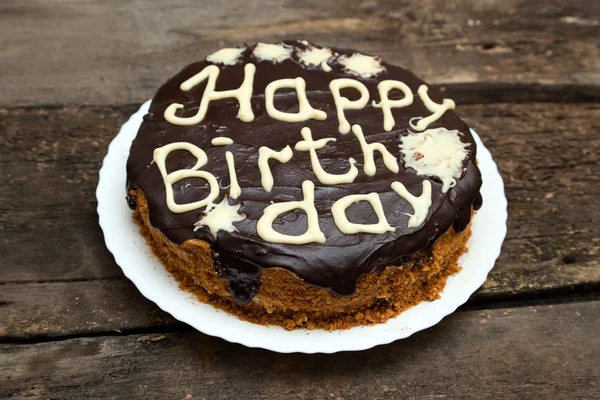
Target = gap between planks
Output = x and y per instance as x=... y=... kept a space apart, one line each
x=463 y=93
x=551 y=298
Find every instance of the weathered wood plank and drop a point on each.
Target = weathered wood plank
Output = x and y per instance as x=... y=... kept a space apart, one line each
x=531 y=352
x=76 y=308
x=50 y=161
x=547 y=154
x=56 y=309
x=118 y=52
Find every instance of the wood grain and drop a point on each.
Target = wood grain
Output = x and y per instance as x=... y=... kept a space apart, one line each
x=72 y=71
x=531 y=352
x=118 y=52
x=547 y=155
x=58 y=309
x=50 y=162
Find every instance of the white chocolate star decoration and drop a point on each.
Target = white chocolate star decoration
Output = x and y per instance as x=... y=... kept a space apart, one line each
x=220 y=217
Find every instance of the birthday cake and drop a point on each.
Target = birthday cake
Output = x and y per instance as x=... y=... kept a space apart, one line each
x=304 y=186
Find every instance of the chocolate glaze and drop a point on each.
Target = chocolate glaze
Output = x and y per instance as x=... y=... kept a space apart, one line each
x=343 y=259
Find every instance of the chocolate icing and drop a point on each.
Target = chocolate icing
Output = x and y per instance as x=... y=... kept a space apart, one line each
x=343 y=259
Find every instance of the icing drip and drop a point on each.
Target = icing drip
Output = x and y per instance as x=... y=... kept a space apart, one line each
x=243 y=95
x=313 y=233
x=420 y=204
x=221 y=141
x=227 y=56
x=264 y=155
x=361 y=65
x=437 y=109
x=310 y=145
x=338 y=210
x=313 y=56
x=220 y=217
x=325 y=66
x=275 y=53
x=160 y=158
x=305 y=111
x=386 y=104
x=342 y=103
x=436 y=152
x=234 y=189
x=369 y=161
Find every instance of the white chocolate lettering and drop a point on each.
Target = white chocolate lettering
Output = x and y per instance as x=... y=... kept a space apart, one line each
x=369 y=160
x=338 y=210
x=234 y=188
x=310 y=145
x=386 y=104
x=221 y=141
x=264 y=155
x=420 y=204
x=305 y=111
x=437 y=109
x=243 y=94
x=342 y=103
x=313 y=233
x=160 y=158
x=435 y=152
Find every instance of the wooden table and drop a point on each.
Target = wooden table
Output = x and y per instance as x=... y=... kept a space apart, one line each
x=526 y=76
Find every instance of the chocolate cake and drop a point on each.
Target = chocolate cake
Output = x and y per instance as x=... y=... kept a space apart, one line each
x=304 y=186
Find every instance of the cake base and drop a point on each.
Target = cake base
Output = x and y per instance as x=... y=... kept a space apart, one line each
x=285 y=300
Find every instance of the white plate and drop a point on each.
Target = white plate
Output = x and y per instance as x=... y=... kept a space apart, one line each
x=154 y=282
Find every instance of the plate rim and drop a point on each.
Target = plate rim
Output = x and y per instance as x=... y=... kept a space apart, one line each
x=109 y=170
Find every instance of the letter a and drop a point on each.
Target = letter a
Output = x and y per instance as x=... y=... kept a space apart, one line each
x=313 y=233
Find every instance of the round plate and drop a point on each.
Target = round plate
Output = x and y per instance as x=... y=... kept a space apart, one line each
x=154 y=282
